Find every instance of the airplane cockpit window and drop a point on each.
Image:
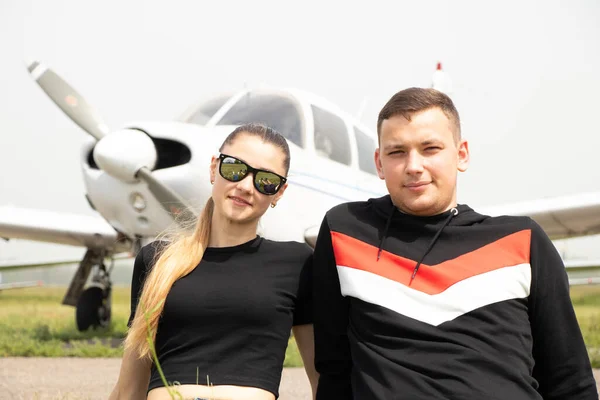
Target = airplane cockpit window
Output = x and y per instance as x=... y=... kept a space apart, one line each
x=277 y=112
x=331 y=136
x=366 y=151
x=206 y=110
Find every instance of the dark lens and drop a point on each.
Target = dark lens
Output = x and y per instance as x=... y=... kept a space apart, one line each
x=233 y=169
x=267 y=182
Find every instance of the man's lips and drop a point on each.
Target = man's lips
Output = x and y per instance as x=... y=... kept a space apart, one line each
x=416 y=185
x=240 y=201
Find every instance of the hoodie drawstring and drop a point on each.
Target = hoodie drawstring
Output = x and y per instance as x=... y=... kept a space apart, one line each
x=453 y=212
x=387 y=226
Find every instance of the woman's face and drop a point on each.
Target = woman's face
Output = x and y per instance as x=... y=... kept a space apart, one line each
x=240 y=201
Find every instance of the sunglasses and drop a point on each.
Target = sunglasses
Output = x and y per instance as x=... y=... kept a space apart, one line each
x=234 y=170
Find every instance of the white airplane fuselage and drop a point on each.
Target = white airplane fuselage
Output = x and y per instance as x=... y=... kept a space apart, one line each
x=316 y=182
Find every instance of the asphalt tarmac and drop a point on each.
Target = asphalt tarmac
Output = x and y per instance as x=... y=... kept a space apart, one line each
x=23 y=378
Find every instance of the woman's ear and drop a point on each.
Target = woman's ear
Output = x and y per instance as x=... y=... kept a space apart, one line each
x=214 y=161
x=278 y=195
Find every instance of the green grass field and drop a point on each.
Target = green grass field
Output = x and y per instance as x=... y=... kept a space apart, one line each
x=586 y=300
x=33 y=323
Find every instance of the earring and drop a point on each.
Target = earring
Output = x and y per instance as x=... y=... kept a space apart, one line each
x=273 y=205
x=212 y=182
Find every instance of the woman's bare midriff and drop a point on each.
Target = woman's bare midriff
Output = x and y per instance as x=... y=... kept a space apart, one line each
x=221 y=392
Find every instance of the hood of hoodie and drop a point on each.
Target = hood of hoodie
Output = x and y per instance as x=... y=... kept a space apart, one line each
x=383 y=207
x=460 y=215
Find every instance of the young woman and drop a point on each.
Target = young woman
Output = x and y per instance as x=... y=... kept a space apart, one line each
x=220 y=302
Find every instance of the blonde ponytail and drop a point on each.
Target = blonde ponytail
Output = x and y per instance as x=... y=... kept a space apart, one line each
x=173 y=262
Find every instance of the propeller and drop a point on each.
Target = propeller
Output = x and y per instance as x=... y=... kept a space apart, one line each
x=170 y=200
x=127 y=155
x=68 y=100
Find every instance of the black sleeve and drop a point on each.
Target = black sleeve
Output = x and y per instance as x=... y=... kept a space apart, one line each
x=141 y=267
x=562 y=366
x=303 y=313
x=332 y=349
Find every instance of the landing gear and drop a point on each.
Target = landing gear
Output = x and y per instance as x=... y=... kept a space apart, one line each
x=93 y=308
x=92 y=305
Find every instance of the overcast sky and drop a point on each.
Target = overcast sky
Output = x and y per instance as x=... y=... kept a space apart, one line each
x=525 y=80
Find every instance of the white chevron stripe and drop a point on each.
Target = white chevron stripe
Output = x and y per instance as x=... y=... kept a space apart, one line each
x=506 y=283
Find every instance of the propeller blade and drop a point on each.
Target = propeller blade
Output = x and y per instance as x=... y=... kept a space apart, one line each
x=169 y=199
x=68 y=100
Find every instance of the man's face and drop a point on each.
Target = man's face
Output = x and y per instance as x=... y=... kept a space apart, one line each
x=419 y=161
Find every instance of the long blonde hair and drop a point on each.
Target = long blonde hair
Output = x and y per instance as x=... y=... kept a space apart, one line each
x=177 y=259
x=182 y=252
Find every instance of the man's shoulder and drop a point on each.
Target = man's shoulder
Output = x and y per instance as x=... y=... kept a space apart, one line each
x=509 y=224
x=489 y=220
x=344 y=208
x=516 y=220
x=355 y=207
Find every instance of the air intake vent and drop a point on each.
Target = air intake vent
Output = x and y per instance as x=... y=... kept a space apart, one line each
x=170 y=153
x=90 y=159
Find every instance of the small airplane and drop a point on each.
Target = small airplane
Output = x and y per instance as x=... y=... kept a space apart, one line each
x=145 y=176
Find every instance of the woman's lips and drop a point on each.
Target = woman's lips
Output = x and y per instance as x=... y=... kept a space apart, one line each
x=239 y=201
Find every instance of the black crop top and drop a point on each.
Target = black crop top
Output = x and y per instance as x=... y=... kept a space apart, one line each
x=230 y=318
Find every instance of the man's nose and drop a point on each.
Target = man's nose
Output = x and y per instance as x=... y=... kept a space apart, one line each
x=414 y=163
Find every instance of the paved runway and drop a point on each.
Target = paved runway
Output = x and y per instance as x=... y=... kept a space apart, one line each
x=93 y=379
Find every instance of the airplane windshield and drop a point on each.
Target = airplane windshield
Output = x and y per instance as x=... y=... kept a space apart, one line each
x=277 y=112
x=205 y=111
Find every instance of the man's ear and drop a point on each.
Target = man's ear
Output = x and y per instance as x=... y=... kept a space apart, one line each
x=463 y=156
x=378 y=164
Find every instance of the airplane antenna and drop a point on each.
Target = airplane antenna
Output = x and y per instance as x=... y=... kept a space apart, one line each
x=361 y=108
x=440 y=80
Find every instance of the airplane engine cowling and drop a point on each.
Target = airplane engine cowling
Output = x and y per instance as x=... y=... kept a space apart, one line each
x=121 y=154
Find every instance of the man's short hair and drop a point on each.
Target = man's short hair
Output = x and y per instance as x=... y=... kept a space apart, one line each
x=409 y=101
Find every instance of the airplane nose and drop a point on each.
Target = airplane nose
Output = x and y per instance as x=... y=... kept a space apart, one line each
x=123 y=153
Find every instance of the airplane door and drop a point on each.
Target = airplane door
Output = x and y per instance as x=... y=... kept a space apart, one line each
x=367 y=177
x=333 y=146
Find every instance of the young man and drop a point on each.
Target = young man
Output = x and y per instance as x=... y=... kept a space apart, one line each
x=420 y=298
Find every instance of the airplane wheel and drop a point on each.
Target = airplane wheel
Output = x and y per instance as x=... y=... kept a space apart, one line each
x=93 y=309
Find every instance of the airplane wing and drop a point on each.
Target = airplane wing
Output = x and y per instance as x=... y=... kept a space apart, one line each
x=560 y=217
x=583 y=265
x=61 y=228
x=583 y=272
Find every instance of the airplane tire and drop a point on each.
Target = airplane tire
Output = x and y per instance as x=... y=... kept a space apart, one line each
x=92 y=310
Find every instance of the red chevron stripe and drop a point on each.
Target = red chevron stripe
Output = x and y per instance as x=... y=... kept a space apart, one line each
x=432 y=279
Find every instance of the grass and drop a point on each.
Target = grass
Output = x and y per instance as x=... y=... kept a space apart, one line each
x=33 y=323
x=586 y=301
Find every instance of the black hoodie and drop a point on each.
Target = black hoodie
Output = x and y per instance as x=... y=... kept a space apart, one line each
x=454 y=306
